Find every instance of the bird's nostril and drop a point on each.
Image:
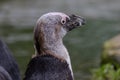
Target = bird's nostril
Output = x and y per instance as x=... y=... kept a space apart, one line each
x=77 y=24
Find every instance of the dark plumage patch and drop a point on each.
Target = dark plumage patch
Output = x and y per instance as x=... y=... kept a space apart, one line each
x=47 y=67
x=4 y=75
x=8 y=62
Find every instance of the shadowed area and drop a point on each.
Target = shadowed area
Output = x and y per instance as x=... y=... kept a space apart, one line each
x=8 y=64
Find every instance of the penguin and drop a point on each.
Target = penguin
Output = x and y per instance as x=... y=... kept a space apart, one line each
x=51 y=60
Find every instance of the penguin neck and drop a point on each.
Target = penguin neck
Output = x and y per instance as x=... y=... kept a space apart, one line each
x=55 y=48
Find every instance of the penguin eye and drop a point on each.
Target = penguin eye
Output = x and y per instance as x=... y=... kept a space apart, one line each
x=63 y=21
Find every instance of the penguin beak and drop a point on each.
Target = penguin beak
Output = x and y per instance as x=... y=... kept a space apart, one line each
x=75 y=22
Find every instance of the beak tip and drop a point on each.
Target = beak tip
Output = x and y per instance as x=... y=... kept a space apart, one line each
x=83 y=21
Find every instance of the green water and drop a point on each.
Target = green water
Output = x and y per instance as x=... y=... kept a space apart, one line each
x=84 y=44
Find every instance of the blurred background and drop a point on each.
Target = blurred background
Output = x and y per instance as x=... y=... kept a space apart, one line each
x=85 y=45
